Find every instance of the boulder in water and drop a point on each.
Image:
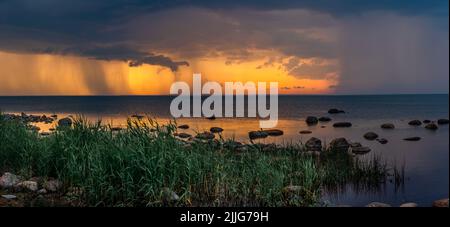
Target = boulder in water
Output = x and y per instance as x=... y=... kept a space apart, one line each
x=370 y=136
x=342 y=124
x=310 y=120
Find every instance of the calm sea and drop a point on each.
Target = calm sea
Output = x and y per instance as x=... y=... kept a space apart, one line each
x=425 y=162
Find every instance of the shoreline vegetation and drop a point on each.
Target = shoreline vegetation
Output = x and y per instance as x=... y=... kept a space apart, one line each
x=81 y=163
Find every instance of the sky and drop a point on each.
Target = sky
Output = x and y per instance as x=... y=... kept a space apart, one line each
x=138 y=47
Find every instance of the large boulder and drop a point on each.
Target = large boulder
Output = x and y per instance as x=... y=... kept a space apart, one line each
x=310 y=120
x=8 y=180
x=65 y=122
x=274 y=132
x=313 y=144
x=31 y=186
x=342 y=124
x=370 y=136
x=216 y=129
x=441 y=203
x=339 y=144
x=257 y=135
x=442 y=121
x=431 y=126
x=415 y=123
x=387 y=126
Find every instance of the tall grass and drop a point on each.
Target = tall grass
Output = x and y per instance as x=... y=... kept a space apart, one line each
x=134 y=167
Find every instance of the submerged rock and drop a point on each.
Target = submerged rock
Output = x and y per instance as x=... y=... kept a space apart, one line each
x=442 y=121
x=359 y=150
x=441 y=203
x=342 y=124
x=370 y=136
x=274 y=132
x=414 y=138
x=335 y=111
x=65 y=122
x=313 y=144
x=324 y=119
x=415 y=123
x=8 y=180
x=216 y=129
x=382 y=141
x=183 y=126
x=257 y=135
x=310 y=120
x=387 y=126
x=431 y=126
x=426 y=121
x=305 y=132
x=339 y=144
x=378 y=204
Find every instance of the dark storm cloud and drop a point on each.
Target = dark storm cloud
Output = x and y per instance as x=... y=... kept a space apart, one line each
x=84 y=26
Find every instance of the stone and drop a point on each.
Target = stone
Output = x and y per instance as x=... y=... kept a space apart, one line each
x=339 y=144
x=442 y=122
x=205 y=136
x=335 y=111
x=431 y=126
x=8 y=180
x=378 y=204
x=313 y=144
x=52 y=185
x=65 y=122
x=359 y=150
x=31 y=186
x=342 y=124
x=387 y=126
x=305 y=132
x=324 y=119
x=9 y=197
x=409 y=205
x=182 y=135
x=414 y=138
x=216 y=129
x=42 y=191
x=257 y=135
x=382 y=141
x=440 y=203
x=211 y=118
x=415 y=123
x=169 y=195
x=370 y=136
x=310 y=120
x=183 y=126
x=426 y=121
x=273 y=132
